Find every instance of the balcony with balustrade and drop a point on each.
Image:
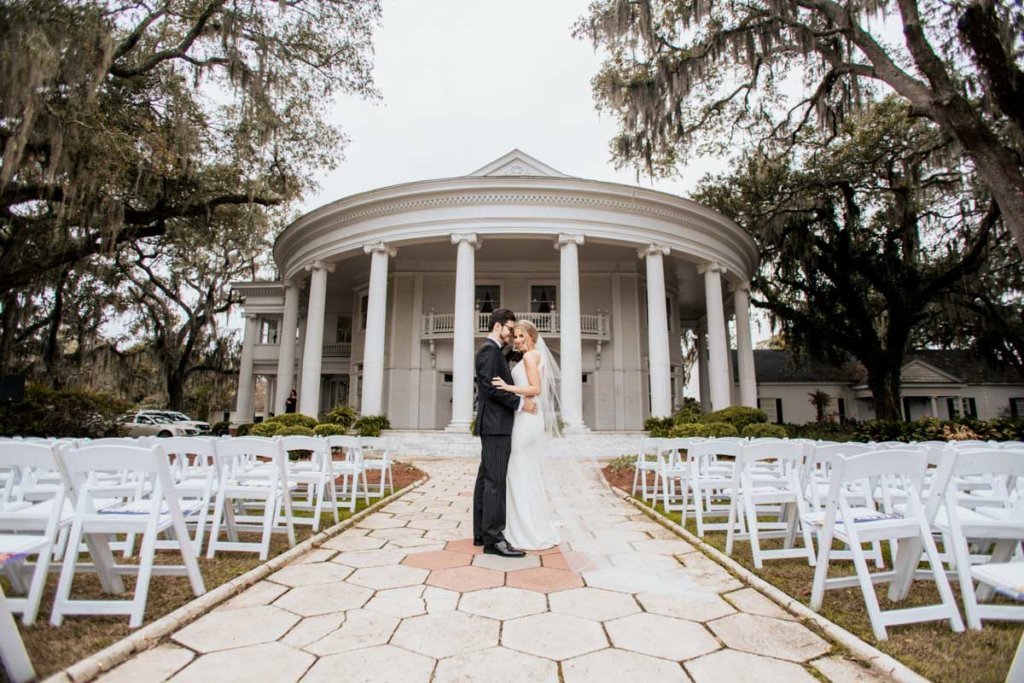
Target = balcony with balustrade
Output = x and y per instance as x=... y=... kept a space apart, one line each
x=593 y=326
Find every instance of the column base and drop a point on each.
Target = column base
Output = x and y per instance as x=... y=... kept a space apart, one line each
x=458 y=426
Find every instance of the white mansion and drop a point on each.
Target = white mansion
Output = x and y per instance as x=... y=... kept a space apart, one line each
x=385 y=295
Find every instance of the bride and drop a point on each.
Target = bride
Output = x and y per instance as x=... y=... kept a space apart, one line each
x=529 y=522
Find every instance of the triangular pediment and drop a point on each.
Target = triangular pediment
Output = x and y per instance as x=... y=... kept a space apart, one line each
x=518 y=163
x=919 y=372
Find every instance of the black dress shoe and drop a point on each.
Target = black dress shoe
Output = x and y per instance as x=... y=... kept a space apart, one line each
x=504 y=549
x=478 y=541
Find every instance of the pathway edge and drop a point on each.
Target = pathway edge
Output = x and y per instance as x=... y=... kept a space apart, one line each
x=878 y=660
x=149 y=636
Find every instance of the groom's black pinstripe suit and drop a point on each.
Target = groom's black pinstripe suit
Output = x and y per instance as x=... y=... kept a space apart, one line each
x=495 y=416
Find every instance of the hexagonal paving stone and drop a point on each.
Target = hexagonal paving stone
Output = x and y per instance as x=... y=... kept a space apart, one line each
x=691 y=605
x=362 y=628
x=446 y=633
x=370 y=558
x=400 y=532
x=463 y=579
x=445 y=534
x=464 y=545
x=506 y=564
x=310 y=574
x=236 y=628
x=702 y=572
x=656 y=547
x=543 y=580
x=776 y=638
x=495 y=664
x=433 y=524
x=157 y=664
x=740 y=667
x=437 y=559
x=263 y=593
x=750 y=601
x=555 y=636
x=417 y=515
x=395 y=576
x=503 y=603
x=317 y=555
x=402 y=608
x=414 y=544
x=842 y=670
x=592 y=603
x=380 y=520
x=264 y=662
x=555 y=561
x=658 y=636
x=616 y=666
x=312 y=629
x=325 y=598
x=384 y=664
x=348 y=541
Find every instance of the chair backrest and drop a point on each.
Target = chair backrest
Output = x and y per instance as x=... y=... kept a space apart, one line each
x=377 y=443
x=296 y=442
x=989 y=461
x=179 y=449
x=728 y=446
x=973 y=444
x=133 y=442
x=241 y=453
x=756 y=451
x=26 y=461
x=903 y=463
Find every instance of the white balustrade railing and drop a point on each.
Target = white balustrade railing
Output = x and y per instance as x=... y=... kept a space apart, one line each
x=337 y=350
x=592 y=325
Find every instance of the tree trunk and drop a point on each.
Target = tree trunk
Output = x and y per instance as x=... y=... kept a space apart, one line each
x=884 y=380
x=175 y=390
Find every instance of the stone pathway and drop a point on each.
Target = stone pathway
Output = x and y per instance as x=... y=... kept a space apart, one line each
x=404 y=596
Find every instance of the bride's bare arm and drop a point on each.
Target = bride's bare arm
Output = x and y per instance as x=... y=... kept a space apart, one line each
x=532 y=360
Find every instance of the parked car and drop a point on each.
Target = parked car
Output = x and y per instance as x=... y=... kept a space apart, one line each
x=181 y=418
x=141 y=424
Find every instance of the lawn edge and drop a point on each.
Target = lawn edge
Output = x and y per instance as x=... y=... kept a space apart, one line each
x=149 y=636
x=875 y=658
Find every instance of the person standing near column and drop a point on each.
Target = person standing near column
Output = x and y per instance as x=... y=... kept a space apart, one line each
x=495 y=417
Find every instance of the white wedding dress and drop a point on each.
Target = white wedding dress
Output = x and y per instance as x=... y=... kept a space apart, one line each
x=529 y=522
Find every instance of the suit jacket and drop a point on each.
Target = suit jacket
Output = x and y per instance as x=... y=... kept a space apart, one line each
x=495 y=409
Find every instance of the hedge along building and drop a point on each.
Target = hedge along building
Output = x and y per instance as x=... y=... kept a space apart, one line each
x=386 y=294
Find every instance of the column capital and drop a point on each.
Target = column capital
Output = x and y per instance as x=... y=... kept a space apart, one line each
x=467 y=237
x=652 y=249
x=320 y=265
x=380 y=248
x=743 y=286
x=565 y=238
x=249 y=316
x=288 y=282
x=711 y=267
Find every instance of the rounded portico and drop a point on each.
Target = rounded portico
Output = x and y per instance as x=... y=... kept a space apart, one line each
x=385 y=294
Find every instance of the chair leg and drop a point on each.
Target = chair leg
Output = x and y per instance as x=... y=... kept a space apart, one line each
x=12 y=650
x=147 y=553
x=35 y=591
x=67 y=575
x=750 y=507
x=821 y=570
x=730 y=534
x=218 y=514
x=269 y=512
x=963 y=571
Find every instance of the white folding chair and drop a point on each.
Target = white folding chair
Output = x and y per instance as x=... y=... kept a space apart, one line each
x=376 y=452
x=253 y=474
x=156 y=511
x=350 y=468
x=315 y=474
x=193 y=463
x=674 y=469
x=767 y=478
x=16 y=663
x=646 y=464
x=712 y=481
x=1000 y=526
x=855 y=525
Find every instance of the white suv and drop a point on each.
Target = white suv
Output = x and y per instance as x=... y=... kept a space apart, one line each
x=140 y=424
x=179 y=418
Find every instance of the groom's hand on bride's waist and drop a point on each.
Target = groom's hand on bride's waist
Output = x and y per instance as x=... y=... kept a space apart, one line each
x=529 y=406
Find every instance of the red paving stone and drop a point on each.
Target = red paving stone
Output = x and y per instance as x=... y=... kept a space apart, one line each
x=543 y=580
x=555 y=561
x=465 y=579
x=438 y=559
x=550 y=551
x=464 y=545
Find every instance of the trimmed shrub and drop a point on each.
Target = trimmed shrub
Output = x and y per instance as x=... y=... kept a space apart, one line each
x=705 y=429
x=265 y=429
x=73 y=413
x=220 y=428
x=329 y=429
x=824 y=431
x=371 y=425
x=244 y=429
x=738 y=416
x=689 y=413
x=762 y=430
x=344 y=415
x=294 y=430
x=658 y=426
x=293 y=419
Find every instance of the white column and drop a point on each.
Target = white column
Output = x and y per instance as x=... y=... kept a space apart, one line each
x=729 y=363
x=935 y=406
x=718 y=368
x=286 y=347
x=376 y=315
x=657 y=331
x=702 y=369
x=745 y=346
x=570 y=340
x=463 y=369
x=313 y=346
x=243 y=406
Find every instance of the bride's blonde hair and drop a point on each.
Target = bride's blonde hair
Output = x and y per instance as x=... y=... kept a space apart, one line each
x=528 y=328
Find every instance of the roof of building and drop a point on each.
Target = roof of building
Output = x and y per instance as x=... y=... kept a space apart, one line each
x=960 y=367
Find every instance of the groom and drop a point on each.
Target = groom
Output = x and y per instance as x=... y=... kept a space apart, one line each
x=495 y=415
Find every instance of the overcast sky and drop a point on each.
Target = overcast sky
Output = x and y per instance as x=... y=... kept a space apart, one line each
x=464 y=82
